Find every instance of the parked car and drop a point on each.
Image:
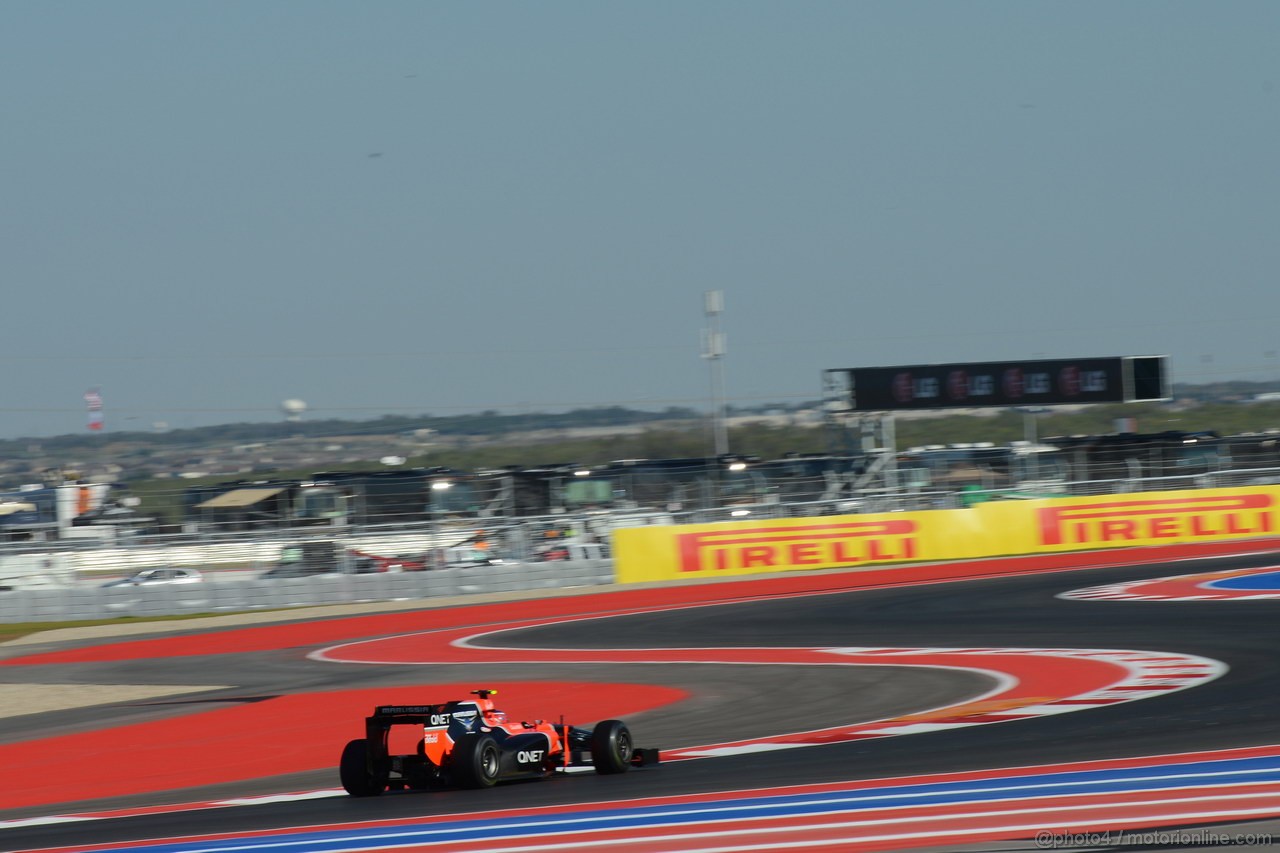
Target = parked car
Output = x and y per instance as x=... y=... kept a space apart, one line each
x=306 y=559
x=158 y=577
x=366 y=563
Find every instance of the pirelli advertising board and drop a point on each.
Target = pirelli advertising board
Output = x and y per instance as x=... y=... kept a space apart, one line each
x=991 y=529
x=1054 y=382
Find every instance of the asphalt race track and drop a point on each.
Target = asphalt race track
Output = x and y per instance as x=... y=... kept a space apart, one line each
x=671 y=705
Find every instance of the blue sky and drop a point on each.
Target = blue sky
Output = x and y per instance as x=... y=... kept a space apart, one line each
x=444 y=207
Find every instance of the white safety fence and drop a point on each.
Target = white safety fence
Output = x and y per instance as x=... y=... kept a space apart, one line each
x=238 y=591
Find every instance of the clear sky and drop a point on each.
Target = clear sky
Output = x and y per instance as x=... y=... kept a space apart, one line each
x=444 y=207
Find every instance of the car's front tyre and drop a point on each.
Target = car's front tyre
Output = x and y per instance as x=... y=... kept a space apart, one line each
x=611 y=747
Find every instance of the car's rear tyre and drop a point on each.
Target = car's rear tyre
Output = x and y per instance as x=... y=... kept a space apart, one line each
x=611 y=747
x=476 y=762
x=354 y=771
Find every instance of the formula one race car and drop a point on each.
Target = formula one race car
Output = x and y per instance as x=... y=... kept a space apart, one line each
x=470 y=744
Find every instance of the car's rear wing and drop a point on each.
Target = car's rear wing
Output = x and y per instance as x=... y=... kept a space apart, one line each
x=427 y=716
x=398 y=710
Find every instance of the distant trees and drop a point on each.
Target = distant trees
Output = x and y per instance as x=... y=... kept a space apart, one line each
x=674 y=432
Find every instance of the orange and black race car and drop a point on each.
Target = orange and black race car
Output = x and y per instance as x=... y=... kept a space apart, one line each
x=470 y=744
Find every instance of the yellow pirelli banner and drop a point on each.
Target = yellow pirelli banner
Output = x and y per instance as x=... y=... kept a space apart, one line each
x=991 y=529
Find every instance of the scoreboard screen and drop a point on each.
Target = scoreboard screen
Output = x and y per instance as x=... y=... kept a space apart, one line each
x=1041 y=382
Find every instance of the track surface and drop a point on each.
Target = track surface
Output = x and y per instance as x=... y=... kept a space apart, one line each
x=724 y=702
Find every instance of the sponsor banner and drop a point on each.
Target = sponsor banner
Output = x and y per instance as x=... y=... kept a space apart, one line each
x=772 y=545
x=1156 y=518
x=990 y=529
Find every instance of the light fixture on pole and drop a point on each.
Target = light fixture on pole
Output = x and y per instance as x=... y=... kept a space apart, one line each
x=713 y=350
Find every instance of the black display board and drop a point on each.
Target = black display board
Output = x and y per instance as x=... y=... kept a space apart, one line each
x=1041 y=382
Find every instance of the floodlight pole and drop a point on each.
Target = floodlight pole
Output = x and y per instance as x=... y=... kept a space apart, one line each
x=713 y=350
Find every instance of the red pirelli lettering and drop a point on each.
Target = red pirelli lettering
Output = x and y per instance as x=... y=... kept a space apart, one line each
x=803 y=554
x=758 y=557
x=1126 y=520
x=797 y=545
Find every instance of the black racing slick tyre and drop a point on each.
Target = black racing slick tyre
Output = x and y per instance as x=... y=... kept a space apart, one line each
x=475 y=762
x=611 y=747
x=354 y=771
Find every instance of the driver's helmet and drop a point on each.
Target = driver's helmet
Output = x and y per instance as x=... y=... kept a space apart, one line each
x=495 y=716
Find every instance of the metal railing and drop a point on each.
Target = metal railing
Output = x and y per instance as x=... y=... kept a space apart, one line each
x=37 y=577
x=234 y=592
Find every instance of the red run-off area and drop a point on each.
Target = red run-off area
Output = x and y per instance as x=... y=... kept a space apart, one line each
x=268 y=736
x=283 y=734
